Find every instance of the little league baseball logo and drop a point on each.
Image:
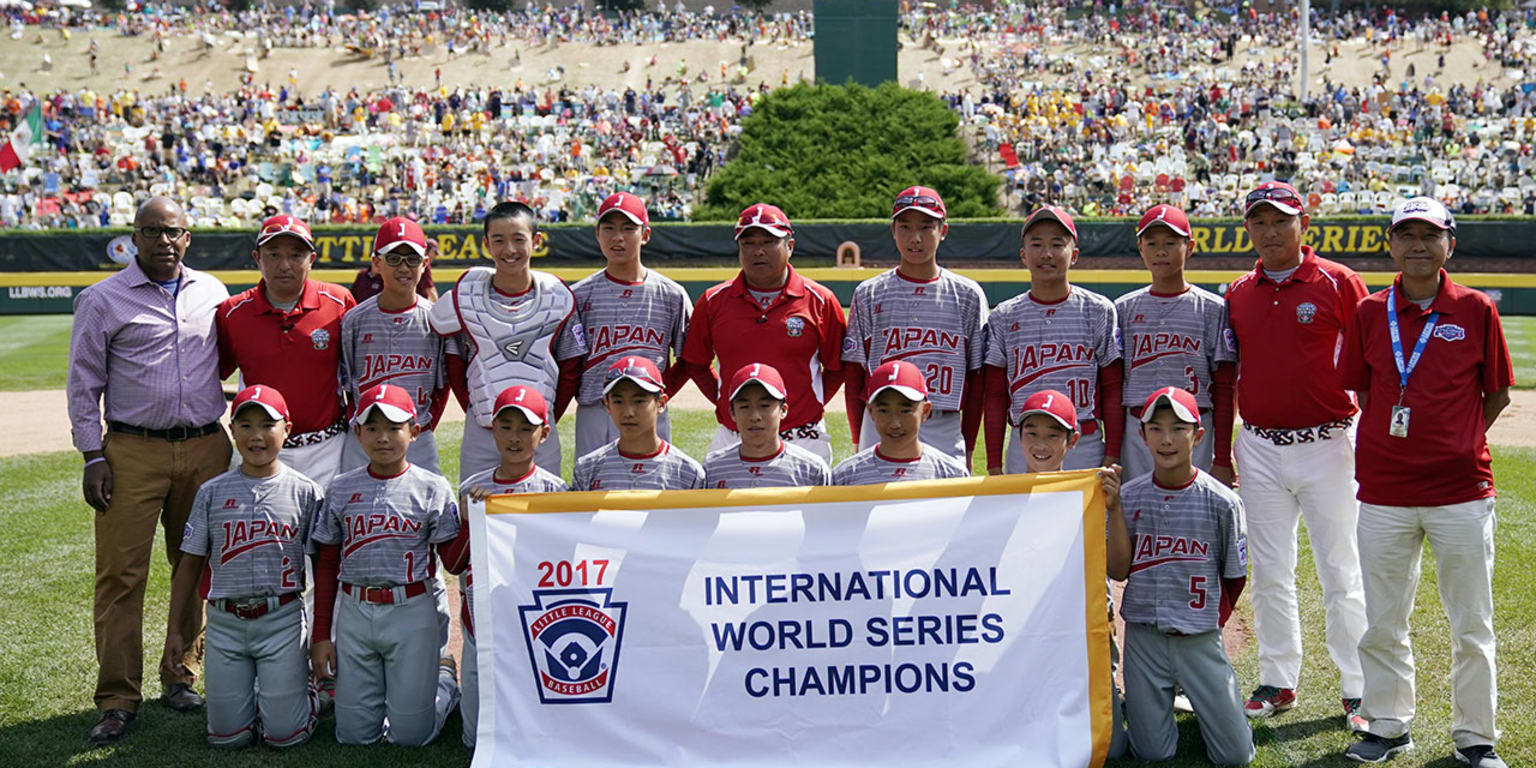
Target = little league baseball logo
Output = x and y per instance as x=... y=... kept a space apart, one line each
x=794 y=326
x=1450 y=332
x=1305 y=312
x=321 y=338
x=573 y=643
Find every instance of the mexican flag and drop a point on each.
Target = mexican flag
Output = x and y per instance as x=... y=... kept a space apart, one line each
x=27 y=137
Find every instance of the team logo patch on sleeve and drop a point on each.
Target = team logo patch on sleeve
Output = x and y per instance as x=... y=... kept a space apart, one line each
x=1230 y=338
x=573 y=643
x=794 y=326
x=1305 y=312
x=321 y=338
x=1450 y=332
x=849 y=345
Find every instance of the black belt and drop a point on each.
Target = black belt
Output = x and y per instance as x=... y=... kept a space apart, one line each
x=316 y=437
x=174 y=434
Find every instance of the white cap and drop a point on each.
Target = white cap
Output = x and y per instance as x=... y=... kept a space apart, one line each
x=1423 y=209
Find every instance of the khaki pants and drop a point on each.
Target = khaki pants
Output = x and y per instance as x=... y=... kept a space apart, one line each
x=1391 y=549
x=152 y=481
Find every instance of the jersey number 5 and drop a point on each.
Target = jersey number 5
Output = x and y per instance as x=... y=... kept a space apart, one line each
x=1197 y=589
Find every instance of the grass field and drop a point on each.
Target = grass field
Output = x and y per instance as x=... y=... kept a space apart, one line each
x=34 y=351
x=47 y=665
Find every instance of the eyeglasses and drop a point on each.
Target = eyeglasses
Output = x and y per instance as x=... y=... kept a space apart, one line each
x=155 y=233
x=924 y=200
x=1273 y=195
x=395 y=259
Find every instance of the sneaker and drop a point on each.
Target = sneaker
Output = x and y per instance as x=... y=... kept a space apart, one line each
x=1181 y=704
x=1268 y=700
x=1480 y=756
x=1377 y=749
x=325 y=695
x=1353 y=720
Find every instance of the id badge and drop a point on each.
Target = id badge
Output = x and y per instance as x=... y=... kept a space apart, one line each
x=1398 y=427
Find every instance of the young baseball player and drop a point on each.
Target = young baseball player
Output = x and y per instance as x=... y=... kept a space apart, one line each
x=625 y=309
x=519 y=424
x=1047 y=434
x=1176 y=334
x=250 y=526
x=898 y=406
x=388 y=339
x=377 y=536
x=519 y=326
x=1055 y=336
x=635 y=398
x=926 y=315
x=759 y=403
x=1189 y=562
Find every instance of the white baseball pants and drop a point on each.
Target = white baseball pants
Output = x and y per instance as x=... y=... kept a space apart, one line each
x=1279 y=485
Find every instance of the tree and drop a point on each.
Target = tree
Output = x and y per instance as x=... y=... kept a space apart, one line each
x=844 y=151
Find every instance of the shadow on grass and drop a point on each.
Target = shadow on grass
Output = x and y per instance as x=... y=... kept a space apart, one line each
x=163 y=738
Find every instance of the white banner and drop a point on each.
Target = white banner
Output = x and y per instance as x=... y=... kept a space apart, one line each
x=958 y=621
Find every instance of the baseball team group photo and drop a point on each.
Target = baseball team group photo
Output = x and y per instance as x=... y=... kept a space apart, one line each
x=1025 y=383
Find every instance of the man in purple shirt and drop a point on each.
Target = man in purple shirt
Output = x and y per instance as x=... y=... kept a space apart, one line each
x=143 y=346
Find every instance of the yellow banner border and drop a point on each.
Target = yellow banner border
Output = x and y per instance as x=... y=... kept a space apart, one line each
x=1082 y=481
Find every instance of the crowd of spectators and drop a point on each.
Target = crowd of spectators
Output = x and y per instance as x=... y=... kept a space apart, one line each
x=1102 y=108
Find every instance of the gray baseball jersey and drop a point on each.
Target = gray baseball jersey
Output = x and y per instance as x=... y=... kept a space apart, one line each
x=394 y=347
x=938 y=325
x=1172 y=341
x=645 y=318
x=536 y=481
x=386 y=526
x=1184 y=541
x=510 y=340
x=791 y=467
x=1058 y=346
x=253 y=531
x=606 y=469
x=868 y=467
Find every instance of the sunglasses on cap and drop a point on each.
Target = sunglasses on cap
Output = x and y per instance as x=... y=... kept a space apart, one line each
x=395 y=259
x=1273 y=194
x=906 y=200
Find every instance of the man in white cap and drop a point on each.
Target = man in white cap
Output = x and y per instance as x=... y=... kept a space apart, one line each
x=1428 y=360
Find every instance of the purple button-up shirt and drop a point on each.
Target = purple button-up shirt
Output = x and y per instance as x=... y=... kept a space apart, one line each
x=152 y=355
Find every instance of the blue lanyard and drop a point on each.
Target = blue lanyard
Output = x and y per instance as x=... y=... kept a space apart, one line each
x=1397 y=340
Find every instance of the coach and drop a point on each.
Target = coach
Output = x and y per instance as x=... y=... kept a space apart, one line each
x=770 y=314
x=286 y=333
x=1428 y=359
x=1295 y=453
x=143 y=342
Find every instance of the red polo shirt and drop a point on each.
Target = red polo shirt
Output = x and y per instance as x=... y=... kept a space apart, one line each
x=1444 y=459
x=296 y=351
x=1289 y=335
x=800 y=334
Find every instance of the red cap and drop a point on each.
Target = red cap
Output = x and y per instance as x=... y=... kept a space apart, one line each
x=1053 y=404
x=390 y=400
x=765 y=217
x=758 y=373
x=268 y=398
x=1164 y=216
x=640 y=370
x=526 y=399
x=1182 y=402
x=900 y=376
x=1050 y=213
x=631 y=206
x=400 y=230
x=276 y=226
x=919 y=199
x=1281 y=195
